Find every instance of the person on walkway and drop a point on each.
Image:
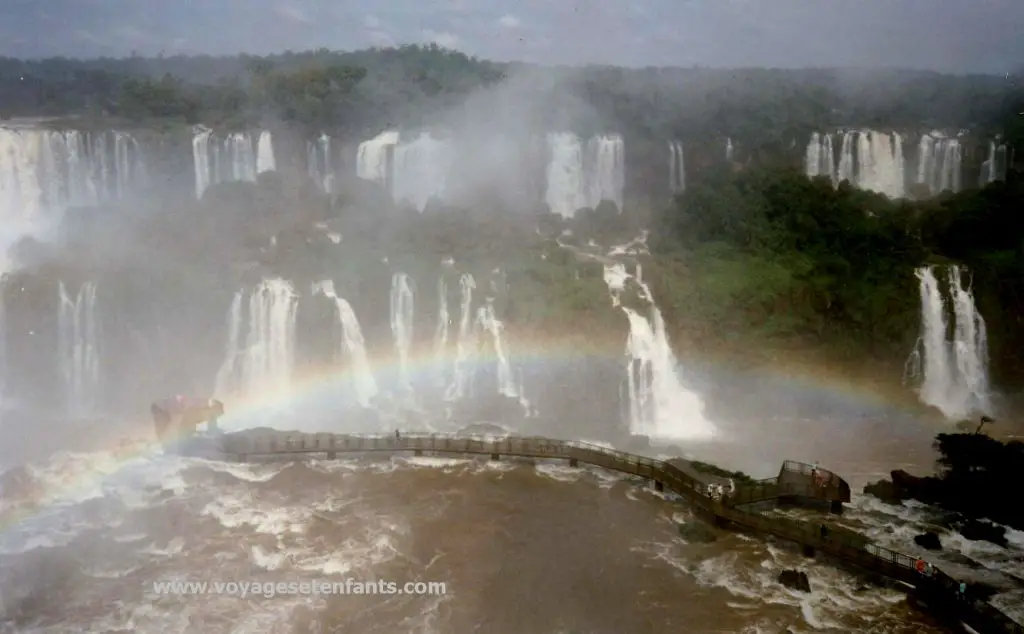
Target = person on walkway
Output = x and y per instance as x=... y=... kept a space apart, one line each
x=398 y=435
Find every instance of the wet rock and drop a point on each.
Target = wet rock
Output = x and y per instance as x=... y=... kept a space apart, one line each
x=884 y=491
x=795 y=580
x=975 y=530
x=928 y=541
x=903 y=486
x=697 y=532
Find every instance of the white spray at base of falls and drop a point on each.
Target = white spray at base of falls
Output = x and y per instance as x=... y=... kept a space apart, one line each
x=402 y=304
x=465 y=343
x=657 y=404
x=355 y=346
x=78 y=350
x=954 y=373
x=264 y=366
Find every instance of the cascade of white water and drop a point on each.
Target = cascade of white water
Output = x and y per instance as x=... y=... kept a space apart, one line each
x=269 y=357
x=373 y=157
x=231 y=158
x=402 y=323
x=605 y=170
x=939 y=161
x=995 y=166
x=441 y=334
x=229 y=367
x=820 y=157
x=265 y=161
x=264 y=366
x=201 y=159
x=565 y=176
x=676 y=168
x=465 y=343
x=729 y=151
x=868 y=159
x=955 y=371
x=354 y=345
x=658 y=405
x=78 y=348
x=421 y=170
x=880 y=163
x=44 y=172
x=490 y=324
x=319 y=163
x=847 y=169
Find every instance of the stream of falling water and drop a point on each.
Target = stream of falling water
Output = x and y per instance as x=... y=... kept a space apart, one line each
x=657 y=403
x=354 y=344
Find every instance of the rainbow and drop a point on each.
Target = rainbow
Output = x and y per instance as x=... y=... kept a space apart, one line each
x=422 y=366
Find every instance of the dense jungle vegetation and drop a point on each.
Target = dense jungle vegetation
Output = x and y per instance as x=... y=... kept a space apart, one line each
x=750 y=249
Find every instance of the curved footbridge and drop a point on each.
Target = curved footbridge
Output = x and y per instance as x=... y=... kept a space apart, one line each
x=743 y=506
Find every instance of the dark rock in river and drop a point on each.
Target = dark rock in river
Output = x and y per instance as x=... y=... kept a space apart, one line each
x=975 y=530
x=928 y=541
x=795 y=580
x=904 y=486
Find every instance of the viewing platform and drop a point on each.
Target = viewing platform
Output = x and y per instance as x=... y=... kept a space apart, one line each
x=796 y=483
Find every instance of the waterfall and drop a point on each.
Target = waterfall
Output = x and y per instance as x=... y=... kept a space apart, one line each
x=565 y=177
x=201 y=160
x=657 y=404
x=44 y=172
x=581 y=175
x=995 y=166
x=441 y=334
x=78 y=349
x=231 y=158
x=222 y=385
x=264 y=366
x=868 y=159
x=265 y=154
x=465 y=344
x=939 y=161
x=676 y=168
x=820 y=157
x=354 y=345
x=420 y=170
x=605 y=170
x=954 y=371
x=728 y=149
x=319 y=164
x=402 y=323
x=492 y=326
x=373 y=159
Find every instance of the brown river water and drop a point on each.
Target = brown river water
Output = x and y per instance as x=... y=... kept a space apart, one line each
x=521 y=547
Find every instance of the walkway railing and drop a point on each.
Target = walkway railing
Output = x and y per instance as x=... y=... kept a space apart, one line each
x=844 y=545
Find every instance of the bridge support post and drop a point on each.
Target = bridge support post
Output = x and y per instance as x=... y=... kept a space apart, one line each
x=574 y=462
x=417 y=452
x=495 y=456
x=836 y=507
x=808 y=551
x=658 y=485
x=331 y=455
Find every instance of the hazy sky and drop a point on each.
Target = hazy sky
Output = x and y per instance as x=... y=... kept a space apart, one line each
x=950 y=35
